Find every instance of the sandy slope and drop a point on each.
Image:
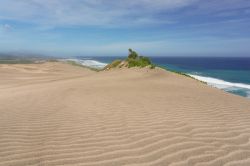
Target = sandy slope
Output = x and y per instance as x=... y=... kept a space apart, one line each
x=57 y=114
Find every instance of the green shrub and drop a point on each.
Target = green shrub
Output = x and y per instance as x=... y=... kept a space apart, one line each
x=132 y=54
x=133 y=60
x=145 y=60
x=133 y=63
x=137 y=61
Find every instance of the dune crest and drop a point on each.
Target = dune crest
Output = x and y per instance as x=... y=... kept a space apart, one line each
x=58 y=114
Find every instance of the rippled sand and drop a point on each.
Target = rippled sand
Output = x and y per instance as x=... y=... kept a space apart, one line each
x=58 y=114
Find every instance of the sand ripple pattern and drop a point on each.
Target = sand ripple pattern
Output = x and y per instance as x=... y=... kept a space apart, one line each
x=65 y=115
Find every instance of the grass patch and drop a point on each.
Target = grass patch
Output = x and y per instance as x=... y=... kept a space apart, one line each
x=181 y=73
x=113 y=64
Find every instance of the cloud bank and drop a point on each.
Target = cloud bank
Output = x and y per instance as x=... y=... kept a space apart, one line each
x=87 y=12
x=108 y=13
x=106 y=25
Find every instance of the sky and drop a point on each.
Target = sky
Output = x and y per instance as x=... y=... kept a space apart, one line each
x=110 y=27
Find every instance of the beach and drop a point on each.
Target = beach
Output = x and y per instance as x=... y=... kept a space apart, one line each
x=54 y=113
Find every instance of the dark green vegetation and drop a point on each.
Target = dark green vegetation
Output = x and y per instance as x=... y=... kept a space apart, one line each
x=133 y=60
x=181 y=73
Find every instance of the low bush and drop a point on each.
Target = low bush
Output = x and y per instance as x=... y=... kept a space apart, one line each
x=137 y=61
x=133 y=60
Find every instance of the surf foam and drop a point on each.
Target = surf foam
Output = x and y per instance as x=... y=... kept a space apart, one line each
x=89 y=63
x=221 y=84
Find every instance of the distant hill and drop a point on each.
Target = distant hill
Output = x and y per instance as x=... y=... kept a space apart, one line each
x=15 y=58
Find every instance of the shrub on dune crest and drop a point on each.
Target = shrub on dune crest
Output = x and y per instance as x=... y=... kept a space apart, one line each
x=132 y=54
x=133 y=60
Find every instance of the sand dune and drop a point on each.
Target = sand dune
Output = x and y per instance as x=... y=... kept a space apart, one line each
x=58 y=114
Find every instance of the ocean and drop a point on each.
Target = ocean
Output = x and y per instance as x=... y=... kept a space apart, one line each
x=229 y=74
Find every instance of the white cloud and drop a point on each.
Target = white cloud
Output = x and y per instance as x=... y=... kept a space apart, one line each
x=221 y=6
x=5 y=27
x=50 y=13
x=88 y=12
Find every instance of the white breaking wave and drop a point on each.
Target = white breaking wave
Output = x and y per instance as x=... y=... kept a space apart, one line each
x=221 y=84
x=89 y=63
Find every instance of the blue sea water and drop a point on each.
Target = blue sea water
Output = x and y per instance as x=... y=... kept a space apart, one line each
x=230 y=74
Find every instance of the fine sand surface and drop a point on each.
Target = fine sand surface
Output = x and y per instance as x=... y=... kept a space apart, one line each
x=58 y=114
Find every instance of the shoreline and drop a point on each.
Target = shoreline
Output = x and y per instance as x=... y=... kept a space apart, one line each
x=95 y=65
x=217 y=83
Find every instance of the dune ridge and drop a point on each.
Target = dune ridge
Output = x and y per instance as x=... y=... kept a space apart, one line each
x=58 y=114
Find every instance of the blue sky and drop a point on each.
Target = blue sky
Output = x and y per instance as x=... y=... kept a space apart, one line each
x=110 y=27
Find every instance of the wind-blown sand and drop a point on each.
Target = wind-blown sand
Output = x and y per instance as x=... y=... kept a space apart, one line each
x=58 y=114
